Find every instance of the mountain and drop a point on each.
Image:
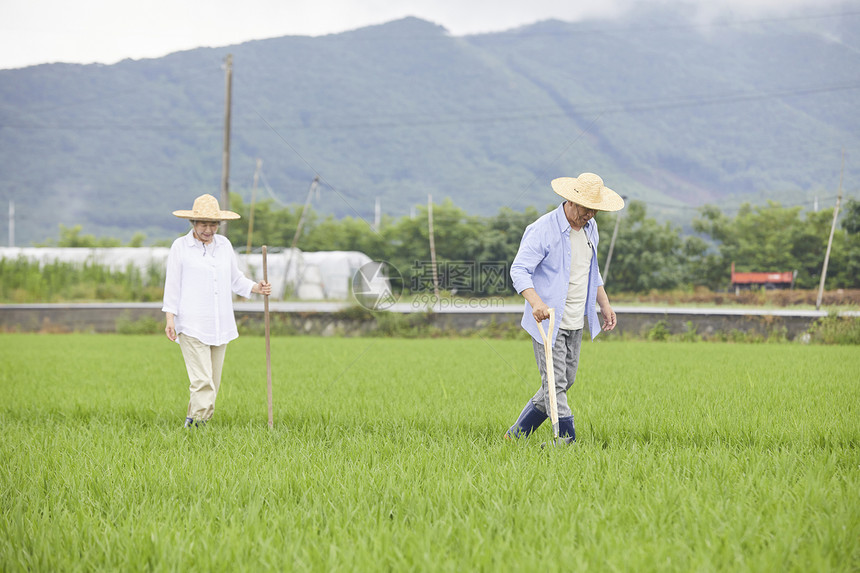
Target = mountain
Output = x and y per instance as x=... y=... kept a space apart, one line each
x=667 y=110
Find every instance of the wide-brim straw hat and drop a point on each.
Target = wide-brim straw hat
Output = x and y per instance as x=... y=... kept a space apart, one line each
x=589 y=191
x=206 y=208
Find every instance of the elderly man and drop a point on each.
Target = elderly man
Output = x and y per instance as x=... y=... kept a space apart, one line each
x=556 y=267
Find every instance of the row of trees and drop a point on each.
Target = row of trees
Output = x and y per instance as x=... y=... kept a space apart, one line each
x=473 y=252
x=647 y=255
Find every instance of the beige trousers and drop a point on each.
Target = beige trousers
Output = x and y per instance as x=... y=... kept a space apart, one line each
x=204 y=364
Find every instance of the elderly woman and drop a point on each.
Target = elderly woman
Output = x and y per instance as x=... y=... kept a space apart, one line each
x=202 y=274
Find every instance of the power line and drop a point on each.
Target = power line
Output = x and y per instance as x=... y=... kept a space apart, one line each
x=677 y=102
x=557 y=157
x=184 y=77
x=623 y=106
x=319 y=176
x=269 y=190
x=724 y=209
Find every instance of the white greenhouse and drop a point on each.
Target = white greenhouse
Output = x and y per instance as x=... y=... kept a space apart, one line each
x=323 y=275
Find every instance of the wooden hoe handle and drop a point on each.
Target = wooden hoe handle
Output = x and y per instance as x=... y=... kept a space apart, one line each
x=550 y=373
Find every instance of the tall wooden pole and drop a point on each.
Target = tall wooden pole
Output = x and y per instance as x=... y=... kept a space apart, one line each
x=225 y=171
x=432 y=245
x=268 y=347
x=830 y=240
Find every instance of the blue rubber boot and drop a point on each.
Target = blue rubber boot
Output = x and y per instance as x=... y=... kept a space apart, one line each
x=566 y=431
x=530 y=420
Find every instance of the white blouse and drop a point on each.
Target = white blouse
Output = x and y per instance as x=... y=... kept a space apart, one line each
x=199 y=287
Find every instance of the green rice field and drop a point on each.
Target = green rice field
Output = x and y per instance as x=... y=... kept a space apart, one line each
x=387 y=455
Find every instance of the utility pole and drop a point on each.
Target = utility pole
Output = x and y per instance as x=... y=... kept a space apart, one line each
x=432 y=245
x=295 y=242
x=313 y=186
x=225 y=172
x=253 y=199
x=612 y=246
x=377 y=215
x=830 y=240
x=11 y=223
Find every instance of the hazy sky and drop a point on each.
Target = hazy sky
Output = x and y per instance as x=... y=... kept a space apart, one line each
x=106 y=31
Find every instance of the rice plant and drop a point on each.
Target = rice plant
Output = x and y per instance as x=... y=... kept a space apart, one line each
x=387 y=454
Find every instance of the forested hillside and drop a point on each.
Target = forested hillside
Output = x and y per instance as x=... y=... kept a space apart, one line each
x=669 y=111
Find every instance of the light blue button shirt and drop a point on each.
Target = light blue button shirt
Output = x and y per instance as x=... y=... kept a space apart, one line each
x=543 y=263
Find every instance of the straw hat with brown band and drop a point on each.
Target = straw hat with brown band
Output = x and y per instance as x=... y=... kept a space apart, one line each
x=206 y=208
x=589 y=191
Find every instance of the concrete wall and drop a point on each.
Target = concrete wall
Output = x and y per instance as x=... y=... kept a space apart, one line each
x=328 y=319
x=63 y=318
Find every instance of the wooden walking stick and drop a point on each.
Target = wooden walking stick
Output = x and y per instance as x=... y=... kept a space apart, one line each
x=550 y=374
x=268 y=348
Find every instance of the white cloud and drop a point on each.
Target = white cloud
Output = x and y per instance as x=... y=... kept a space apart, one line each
x=106 y=31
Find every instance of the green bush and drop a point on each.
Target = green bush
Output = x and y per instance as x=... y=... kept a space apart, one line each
x=415 y=325
x=145 y=325
x=659 y=332
x=23 y=281
x=690 y=335
x=835 y=329
x=280 y=324
x=353 y=312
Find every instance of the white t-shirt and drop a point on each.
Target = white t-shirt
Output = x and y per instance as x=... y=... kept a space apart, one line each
x=577 y=288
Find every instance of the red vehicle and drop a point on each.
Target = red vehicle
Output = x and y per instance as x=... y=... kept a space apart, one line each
x=762 y=280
